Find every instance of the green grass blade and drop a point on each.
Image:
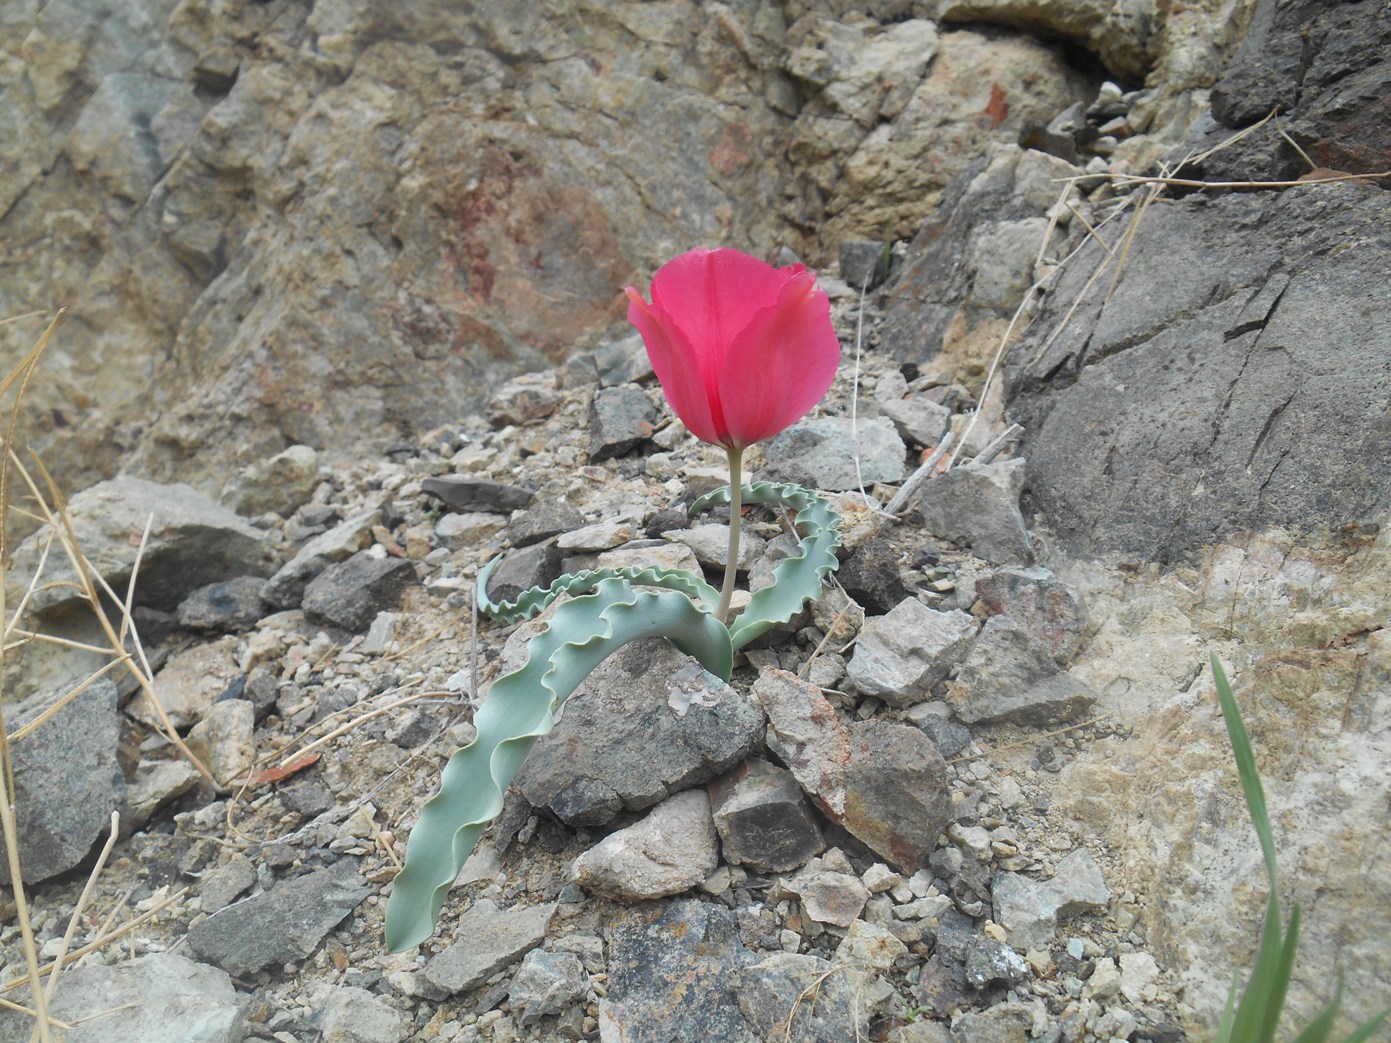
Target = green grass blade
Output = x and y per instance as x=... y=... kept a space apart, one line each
x=1364 y=1031
x=1228 y=1021
x=1246 y=767
x=1318 y=1030
x=520 y=708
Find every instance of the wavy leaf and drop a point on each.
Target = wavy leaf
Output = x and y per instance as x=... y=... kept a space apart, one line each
x=796 y=579
x=520 y=708
x=530 y=602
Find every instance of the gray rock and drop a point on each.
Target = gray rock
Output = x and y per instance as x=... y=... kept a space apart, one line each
x=623 y=361
x=66 y=779
x=669 y=851
x=282 y=925
x=534 y=566
x=1051 y=610
x=543 y=520
x=989 y=962
x=1208 y=402
x=159 y=998
x=901 y=656
x=787 y=995
x=1030 y=909
x=919 y=419
x=530 y=396
x=547 y=984
x=977 y=507
x=884 y=783
x=225 y=739
x=351 y=593
x=1005 y=1023
x=490 y=939
x=619 y=418
x=949 y=737
x=1011 y=676
x=156 y=783
x=821 y=453
x=222 y=886
x=646 y=723
x=285 y=589
x=862 y=262
x=762 y=818
x=671 y=973
x=829 y=897
x=710 y=544
x=477 y=494
x=354 y=1015
x=227 y=606
x=280 y=483
x=193 y=541
x=872 y=576
x=189 y=683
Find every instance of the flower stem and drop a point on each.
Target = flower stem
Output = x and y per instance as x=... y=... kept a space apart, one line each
x=731 y=561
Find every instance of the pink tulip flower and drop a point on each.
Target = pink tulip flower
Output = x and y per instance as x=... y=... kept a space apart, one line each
x=742 y=349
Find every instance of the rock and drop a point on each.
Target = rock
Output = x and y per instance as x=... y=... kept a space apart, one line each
x=1005 y=1023
x=1124 y=35
x=710 y=544
x=949 y=737
x=931 y=298
x=225 y=884
x=762 y=818
x=281 y=925
x=457 y=531
x=671 y=973
x=351 y=593
x=919 y=419
x=280 y=483
x=862 y=262
x=833 y=898
x=490 y=939
x=650 y=552
x=530 y=396
x=230 y=606
x=156 y=783
x=977 y=507
x=599 y=536
x=547 y=984
x=1326 y=96
x=1138 y=974
x=159 y=998
x=884 y=783
x=1011 y=676
x=189 y=683
x=646 y=723
x=1030 y=909
x=548 y=518
x=872 y=576
x=66 y=779
x=534 y=566
x=477 y=494
x=822 y=453
x=901 y=656
x=224 y=740
x=619 y=418
x=989 y=962
x=286 y=588
x=1052 y=611
x=669 y=851
x=787 y=995
x=193 y=541
x=1180 y=422
x=865 y=955
x=354 y=1015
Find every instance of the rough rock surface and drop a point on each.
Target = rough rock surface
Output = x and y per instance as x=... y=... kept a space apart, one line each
x=66 y=779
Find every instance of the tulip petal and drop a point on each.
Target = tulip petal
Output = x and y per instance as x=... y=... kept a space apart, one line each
x=713 y=294
x=780 y=364
x=678 y=368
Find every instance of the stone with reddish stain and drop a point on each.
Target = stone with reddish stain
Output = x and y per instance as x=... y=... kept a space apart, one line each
x=884 y=783
x=1051 y=610
x=833 y=898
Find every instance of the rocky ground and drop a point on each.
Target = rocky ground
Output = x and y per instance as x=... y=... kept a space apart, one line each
x=979 y=791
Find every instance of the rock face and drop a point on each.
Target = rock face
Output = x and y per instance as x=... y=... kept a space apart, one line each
x=1161 y=422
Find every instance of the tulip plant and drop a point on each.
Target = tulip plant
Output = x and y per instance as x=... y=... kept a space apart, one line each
x=742 y=351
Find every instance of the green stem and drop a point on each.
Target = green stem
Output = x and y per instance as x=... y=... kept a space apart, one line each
x=731 y=561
